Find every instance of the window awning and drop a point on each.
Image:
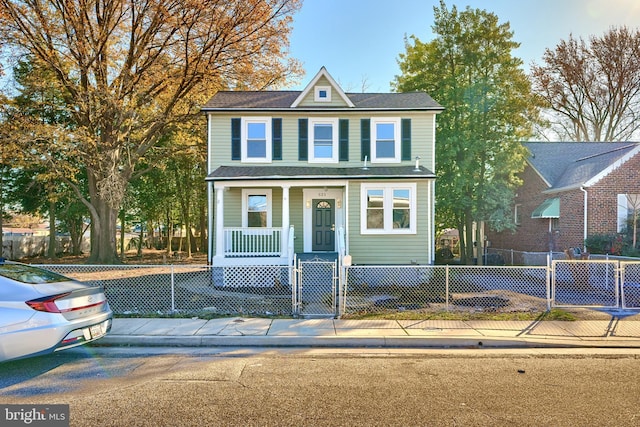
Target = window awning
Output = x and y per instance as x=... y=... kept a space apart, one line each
x=550 y=208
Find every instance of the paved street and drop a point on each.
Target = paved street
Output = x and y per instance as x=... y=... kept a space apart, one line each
x=356 y=387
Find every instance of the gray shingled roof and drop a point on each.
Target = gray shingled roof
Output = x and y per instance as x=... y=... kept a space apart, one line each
x=239 y=173
x=282 y=100
x=571 y=164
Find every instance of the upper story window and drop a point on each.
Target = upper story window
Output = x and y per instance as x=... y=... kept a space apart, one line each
x=323 y=140
x=256 y=139
x=322 y=94
x=385 y=135
x=388 y=208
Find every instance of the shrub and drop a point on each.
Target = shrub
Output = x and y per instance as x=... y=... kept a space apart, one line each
x=612 y=244
x=605 y=244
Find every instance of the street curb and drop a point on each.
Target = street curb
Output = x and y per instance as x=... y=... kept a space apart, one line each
x=355 y=342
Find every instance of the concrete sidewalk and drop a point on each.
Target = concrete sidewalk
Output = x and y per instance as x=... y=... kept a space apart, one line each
x=238 y=331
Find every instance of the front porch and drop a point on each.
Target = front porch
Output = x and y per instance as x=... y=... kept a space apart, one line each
x=266 y=223
x=264 y=246
x=254 y=242
x=256 y=246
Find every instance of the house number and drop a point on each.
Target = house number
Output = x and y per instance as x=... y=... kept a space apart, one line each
x=322 y=194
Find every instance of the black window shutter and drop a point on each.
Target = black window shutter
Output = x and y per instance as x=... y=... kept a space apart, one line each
x=276 y=136
x=303 y=139
x=343 y=138
x=406 y=139
x=235 y=139
x=365 y=139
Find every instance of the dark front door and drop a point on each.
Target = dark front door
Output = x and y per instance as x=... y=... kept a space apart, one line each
x=324 y=220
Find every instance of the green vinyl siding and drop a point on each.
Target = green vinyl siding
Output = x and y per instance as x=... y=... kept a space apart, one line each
x=295 y=217
x=421 y=137
x=390 y=248
x=233 y=207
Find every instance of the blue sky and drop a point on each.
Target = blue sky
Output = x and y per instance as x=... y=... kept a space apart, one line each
x=360 y=40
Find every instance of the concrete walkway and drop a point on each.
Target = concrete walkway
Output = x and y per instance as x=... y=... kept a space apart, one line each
x=237 y=331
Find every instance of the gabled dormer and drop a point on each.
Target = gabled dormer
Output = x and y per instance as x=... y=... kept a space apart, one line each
x=322 y=91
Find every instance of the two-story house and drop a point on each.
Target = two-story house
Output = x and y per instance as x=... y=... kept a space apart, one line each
x=321 y=172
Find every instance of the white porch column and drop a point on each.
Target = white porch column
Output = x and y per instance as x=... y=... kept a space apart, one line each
x=284 y=239
x=220 y=222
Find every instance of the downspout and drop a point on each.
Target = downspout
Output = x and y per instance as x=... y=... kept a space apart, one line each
x=209 y=223
x=209 y=196
x=584 y=220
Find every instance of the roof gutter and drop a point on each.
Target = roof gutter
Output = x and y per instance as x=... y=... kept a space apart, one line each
x=584 y=220
x=317 y=109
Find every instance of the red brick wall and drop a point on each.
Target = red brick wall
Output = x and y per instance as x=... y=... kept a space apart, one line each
x=603 y=196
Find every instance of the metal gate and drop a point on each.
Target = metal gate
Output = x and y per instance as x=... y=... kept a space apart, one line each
x=630 y=284
x=585 y=284
x=316 y=288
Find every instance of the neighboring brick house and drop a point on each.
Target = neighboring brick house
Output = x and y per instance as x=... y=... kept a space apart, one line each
x=320 y=172
x=560 y=180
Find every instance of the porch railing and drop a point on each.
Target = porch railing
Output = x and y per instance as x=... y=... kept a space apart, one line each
x=252 y=241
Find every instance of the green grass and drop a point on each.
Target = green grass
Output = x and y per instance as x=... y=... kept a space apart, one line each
x=554 y=314
x=196 y=315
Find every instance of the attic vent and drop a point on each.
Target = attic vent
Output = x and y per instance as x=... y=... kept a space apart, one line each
x=322 y=94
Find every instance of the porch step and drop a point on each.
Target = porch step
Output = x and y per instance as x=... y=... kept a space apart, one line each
x=317 y=256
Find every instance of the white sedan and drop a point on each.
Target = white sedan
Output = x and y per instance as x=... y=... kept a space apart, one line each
x=42 y=312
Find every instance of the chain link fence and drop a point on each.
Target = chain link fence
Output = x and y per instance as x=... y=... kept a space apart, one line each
x=585 y=284
x=316 y=294
x=172 y=289
x=444 y=288
x=630 y=289
x=322 y=289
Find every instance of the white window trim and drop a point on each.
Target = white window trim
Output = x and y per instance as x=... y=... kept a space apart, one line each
x=318 y=89
x=625 y=209
x=396 y=135
x=334 y=122
x=246 y=192
x=517 y=217
x=622 y=212
x=244 y=134
x=388 y=207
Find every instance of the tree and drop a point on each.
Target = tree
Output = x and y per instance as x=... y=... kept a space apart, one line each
x=132 y=69
x=10 y=154
x=40 y=103
x=189 y=175
x=468 y=68
x=592 y=90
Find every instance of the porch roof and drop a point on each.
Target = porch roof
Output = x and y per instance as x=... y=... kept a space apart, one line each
x=239 y=173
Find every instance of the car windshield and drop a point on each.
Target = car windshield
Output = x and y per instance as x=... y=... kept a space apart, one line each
x=31 y=275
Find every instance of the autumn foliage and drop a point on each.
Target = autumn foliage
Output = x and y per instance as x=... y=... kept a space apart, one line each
x=129 y=72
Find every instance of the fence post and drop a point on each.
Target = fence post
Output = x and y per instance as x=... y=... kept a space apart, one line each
x=173 y=291
x=548 y=282
x=618 y=274
x=446 y=287
x=294 y=288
